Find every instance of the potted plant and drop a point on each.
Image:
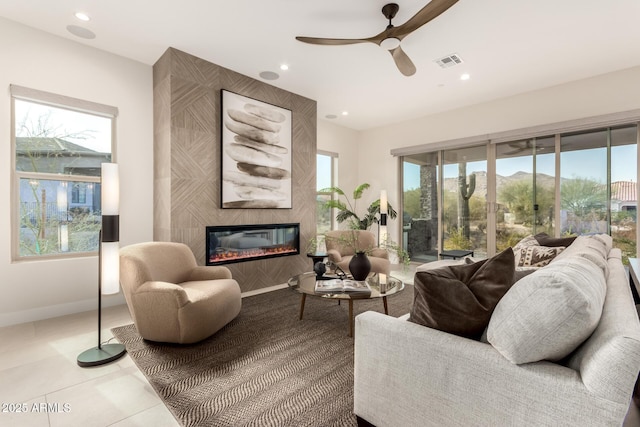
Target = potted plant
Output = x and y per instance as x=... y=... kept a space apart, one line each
x=347 y=210
x=347 y=213
x=403 y=255
x=338 y=240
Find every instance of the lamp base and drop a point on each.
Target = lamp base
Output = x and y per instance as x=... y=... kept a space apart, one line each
x=101 y=355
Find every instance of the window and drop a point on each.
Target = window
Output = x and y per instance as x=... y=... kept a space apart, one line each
x=464 y=199
x=525 y=189
x=598 y=189
x=59 y=144
x=325 y=173
x=578 y=182
x=420 y=206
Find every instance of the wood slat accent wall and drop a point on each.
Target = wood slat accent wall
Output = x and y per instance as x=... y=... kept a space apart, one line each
x=187 y=163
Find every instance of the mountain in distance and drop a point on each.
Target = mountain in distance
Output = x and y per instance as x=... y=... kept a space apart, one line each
x=451 y=184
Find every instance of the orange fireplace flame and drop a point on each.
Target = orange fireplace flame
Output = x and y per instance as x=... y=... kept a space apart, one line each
x=225 y=255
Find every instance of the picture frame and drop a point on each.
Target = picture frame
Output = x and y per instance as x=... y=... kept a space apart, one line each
x=256 y=151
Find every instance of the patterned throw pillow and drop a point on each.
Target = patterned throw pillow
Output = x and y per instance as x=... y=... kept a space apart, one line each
x=530 y=240
x=535 y=256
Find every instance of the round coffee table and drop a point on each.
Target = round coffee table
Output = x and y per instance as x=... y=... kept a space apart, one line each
x=305 y=284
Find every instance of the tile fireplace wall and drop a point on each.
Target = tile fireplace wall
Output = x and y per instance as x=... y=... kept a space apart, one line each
x=187 y=163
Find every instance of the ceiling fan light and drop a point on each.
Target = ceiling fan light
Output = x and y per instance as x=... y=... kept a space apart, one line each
x=82 y=16
x=390 y=43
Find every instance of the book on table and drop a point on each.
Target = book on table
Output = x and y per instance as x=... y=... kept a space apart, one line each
x=343 y=286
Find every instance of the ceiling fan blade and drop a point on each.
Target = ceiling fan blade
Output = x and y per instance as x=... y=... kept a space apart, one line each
x=404 y=64
x=330 y=42
x=431 y=11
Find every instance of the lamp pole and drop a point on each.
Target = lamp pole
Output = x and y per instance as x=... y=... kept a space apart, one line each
x=108 y=264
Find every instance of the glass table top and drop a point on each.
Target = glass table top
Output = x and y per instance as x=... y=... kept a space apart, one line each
x=381 y=286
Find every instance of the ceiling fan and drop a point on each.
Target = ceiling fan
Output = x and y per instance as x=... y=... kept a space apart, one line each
x=526 y=146
x=390 y=38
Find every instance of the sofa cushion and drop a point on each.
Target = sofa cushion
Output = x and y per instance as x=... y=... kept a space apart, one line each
x=522 y=272
x=595 y=248
x=535 y=255
x=550 y=312
x=544 y=239
x=460 y=298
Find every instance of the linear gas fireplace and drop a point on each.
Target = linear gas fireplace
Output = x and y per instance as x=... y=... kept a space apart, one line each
x=237 y=243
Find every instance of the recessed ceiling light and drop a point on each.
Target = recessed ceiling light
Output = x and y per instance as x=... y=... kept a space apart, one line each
x=82 y=16
x=465 y=76
x=81 y=32
x=284 y=67
x=345 y=113
x=269 y=75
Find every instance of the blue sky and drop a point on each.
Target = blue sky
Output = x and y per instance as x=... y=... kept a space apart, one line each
x=586 y=163
x=323 y=165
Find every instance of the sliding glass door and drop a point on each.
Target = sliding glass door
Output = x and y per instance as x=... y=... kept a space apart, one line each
x=525 y=189
x=464 y=199
x=624 y=172
x=583 y=183
x=564 y=184
x=420 y=206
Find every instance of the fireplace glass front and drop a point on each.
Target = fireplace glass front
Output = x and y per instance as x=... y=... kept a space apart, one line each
x=237 y=243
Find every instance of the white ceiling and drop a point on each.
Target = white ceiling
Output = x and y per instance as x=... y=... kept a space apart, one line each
x=508 y=46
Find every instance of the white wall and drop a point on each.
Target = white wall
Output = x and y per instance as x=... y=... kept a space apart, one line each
x=344 y=141
x=608 y=93
x=43 y=289
x=31 y=58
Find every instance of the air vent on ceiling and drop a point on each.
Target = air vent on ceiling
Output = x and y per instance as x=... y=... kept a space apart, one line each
x=449 y=61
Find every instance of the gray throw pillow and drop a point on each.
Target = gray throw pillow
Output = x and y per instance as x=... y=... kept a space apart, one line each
x=459 y=299
x=548 y=314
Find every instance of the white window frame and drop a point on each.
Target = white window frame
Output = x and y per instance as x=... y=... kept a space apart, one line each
x=334 y=180
x=62 y=102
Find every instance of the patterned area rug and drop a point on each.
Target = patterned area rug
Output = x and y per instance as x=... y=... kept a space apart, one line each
x=266 y=367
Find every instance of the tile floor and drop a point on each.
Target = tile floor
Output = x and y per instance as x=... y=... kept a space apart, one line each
x=40 y=377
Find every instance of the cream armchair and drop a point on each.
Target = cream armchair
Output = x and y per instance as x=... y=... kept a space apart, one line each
x=342 y=244
x=171 y=298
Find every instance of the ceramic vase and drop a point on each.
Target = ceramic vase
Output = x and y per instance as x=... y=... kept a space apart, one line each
x=320 y=268
x=360 y=266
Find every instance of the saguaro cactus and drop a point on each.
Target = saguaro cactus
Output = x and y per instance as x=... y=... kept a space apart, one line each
x=465 y=191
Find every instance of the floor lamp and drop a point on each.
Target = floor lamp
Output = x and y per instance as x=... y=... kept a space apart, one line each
x=108 y=264
x=382 y=225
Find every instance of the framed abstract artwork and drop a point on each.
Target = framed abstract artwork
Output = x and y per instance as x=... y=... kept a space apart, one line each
x=256 y=154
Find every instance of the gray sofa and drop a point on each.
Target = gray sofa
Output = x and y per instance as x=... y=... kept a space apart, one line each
x=411 y=375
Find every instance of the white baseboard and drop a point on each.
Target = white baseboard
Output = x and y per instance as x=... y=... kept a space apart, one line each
x=264 y=290
x=51 y=311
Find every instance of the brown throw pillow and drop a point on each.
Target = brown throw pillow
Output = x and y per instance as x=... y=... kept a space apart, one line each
x=545 y=240
x=460 y=299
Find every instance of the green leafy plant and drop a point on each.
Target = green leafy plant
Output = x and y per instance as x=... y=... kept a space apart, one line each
x=349 y=239
x=347 y=210
x=393 y=247
x=457 y=240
